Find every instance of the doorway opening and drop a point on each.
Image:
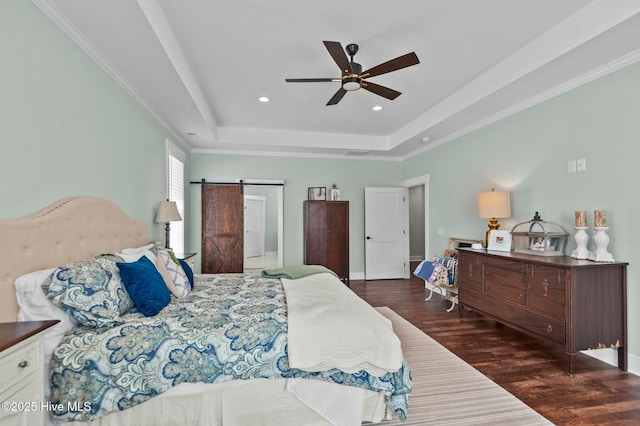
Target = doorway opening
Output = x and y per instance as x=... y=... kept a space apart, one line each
x=418 y=205
x=261 y=210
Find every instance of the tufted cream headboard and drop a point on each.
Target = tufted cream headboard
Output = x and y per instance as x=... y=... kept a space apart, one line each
x=69 y=230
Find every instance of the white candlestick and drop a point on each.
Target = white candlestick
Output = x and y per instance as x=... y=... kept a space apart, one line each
x=582 y=238
x=601 y=240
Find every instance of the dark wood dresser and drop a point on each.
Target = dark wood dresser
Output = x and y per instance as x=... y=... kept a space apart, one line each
x=578 y=304
x=326 y=236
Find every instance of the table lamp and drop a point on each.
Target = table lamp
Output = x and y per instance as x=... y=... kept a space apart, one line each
x=168 y=212
x=493 y=205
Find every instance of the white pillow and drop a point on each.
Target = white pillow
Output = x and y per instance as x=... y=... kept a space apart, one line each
x=134 y=254
x=173 y=275
x=35 y=306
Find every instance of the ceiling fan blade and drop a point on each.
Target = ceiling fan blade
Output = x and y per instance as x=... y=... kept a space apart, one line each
x=336 y=98
x=310 y=80
x=337 y=53
x=385 y=92
x=394 y=64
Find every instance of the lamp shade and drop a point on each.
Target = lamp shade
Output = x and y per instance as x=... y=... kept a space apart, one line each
x=494 y=204
x=168 y=212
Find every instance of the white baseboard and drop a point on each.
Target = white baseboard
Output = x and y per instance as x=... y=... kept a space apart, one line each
x=610 y=356
x=356 y=276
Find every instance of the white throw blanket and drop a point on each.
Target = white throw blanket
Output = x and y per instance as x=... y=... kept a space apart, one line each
x=331 y=327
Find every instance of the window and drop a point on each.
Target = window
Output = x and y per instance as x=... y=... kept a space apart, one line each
x=175 y=192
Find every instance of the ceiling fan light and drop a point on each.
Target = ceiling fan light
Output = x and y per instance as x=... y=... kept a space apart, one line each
x=351 y=83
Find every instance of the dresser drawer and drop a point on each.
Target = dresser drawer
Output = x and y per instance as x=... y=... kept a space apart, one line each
x=470 y=267
x=467 y=296
x=505 y=291
x=512 y=276
x=17 y=363
x=506 y=281
x=547 y=291
x=549 y=328
x=21 y=403
x=469 y=284
x=513 y=266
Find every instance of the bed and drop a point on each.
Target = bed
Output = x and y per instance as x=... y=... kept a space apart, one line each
x=231 y=339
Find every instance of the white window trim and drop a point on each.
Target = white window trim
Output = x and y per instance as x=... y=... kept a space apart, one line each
x=173 y=151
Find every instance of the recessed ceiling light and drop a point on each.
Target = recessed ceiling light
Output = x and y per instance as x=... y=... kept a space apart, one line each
x=263 y=99
x=377 y=108
x=426 y=139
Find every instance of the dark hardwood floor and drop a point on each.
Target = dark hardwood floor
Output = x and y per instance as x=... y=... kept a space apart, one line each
x=532 y=370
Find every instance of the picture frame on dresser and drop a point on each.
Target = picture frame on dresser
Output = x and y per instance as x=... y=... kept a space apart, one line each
x=499 y=240
x=317 y=193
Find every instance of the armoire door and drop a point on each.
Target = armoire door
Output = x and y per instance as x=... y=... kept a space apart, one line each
x=315 y=233
x=326 y=235
x=338 y=237
x=222 y=229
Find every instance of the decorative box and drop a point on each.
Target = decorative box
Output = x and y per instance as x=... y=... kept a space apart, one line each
x=539 y=237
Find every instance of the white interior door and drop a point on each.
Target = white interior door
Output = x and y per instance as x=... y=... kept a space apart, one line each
x=386 y=243
x=254 y=224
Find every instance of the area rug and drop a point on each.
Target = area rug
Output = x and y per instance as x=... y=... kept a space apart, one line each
x=448 y=391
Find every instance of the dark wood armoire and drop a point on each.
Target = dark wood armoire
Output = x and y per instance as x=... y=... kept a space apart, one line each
x=326 y=236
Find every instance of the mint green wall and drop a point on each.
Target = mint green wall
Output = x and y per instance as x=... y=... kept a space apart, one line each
x=66 y=128
x=527 y=154
x=351 y=176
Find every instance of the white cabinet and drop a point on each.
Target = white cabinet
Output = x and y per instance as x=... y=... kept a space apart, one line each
x=21 y=374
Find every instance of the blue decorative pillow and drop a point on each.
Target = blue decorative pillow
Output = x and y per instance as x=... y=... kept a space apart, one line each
x=145 y=286
x=187 y=270
x=90 y=291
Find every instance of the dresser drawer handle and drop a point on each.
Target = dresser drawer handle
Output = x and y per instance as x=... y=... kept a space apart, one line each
x=23 y=364
x=520 y=297
x=549 y=329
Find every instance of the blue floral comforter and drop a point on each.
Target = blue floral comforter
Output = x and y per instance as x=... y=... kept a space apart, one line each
x=230 y=327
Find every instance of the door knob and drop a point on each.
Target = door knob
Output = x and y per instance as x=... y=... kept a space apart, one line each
x=369 y=238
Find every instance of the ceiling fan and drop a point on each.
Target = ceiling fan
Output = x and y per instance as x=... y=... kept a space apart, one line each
x=353 y=78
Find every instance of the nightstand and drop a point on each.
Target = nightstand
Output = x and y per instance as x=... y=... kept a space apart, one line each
x=22 y=373
x=189 y=258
